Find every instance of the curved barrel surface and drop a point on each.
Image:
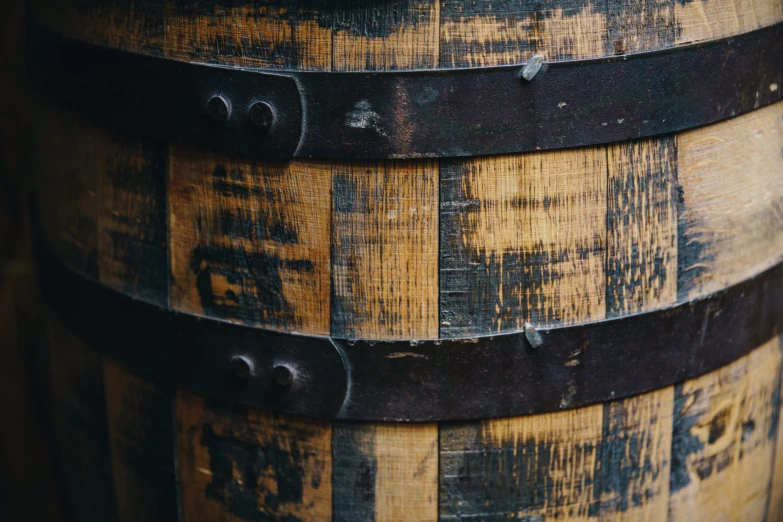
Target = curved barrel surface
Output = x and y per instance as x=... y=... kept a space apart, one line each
x=364 y=253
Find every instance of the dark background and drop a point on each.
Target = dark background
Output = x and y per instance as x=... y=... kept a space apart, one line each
x=26 y=484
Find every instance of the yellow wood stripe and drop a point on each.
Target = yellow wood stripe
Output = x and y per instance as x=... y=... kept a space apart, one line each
x=523 y=239
x=724 y=440
x=702 y=20
x=385 y=472
x=250 y=241
x=385 y=250
x=731 y=201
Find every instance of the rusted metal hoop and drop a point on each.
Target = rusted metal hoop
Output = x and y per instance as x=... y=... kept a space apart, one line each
x=410 y=114
x=419 y=380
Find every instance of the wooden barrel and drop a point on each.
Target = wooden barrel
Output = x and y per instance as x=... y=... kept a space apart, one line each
x=481 y=330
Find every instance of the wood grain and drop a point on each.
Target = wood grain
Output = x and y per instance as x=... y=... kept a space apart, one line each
x=699 y=20
x=101 y=198
x=641 y=221
x=240 y=464
x=269 y=34
x=385 y=472
x=250 y=241
x=730 y=201
x=384 y=250
x=775 y=506
x=725 y=428
x=485 y=33
x=386 y=36
x=132 y=242
x=632 y=472
x=523 y=239
x=78 y=427
x=400 y=34
x=640 y=25
x=606 y=462
x=140 y=421
x=540 y=467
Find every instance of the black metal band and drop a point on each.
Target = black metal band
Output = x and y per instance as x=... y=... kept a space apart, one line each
x=441 y=113
x=419 y=381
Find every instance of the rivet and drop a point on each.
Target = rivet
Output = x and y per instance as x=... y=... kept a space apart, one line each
x=218 y=110
x=532 y=67
x=282 y=377
x=261 y=115
x=532 y=335
x=241 y=369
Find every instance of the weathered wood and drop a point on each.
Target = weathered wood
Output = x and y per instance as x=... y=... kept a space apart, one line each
x=102 y=203
x=483 y=33
x=608 y=463
x=523 y=239
x=730 y=179
x=271 y=34
x=410 y=250
x=239 y=465
x=641 y=221
x=141 y=438
x=386 y=36
x=640 y=25
x=531 y=468
x=700 y=20
x=775 y=505
x=250 y=241
x=132 y=243
x=361 y=37
x=384 y=250
x=634 y=458
x=385 y=472
x=402 y=33
x=725 y=428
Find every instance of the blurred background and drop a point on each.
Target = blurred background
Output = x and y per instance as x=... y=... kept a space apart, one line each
x=26 y=478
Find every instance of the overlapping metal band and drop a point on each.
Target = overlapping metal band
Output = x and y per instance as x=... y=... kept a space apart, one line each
x=433 y=113
x=421 y=380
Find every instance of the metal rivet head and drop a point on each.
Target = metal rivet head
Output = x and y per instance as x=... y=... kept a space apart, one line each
x=532 y=67
x=239 y=372
x=261 y=115
x=282 y=377
x=218 y=110
x=532 y=336
x=240 y=368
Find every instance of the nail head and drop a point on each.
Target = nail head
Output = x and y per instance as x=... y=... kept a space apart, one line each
x=261 y=115
x=218 y=110
x=532 y=67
